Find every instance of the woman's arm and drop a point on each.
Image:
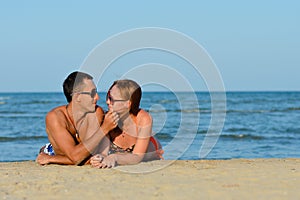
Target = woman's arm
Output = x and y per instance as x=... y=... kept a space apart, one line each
x=144 y=121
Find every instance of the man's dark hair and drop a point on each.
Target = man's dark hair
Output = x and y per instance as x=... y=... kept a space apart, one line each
x=72 y=82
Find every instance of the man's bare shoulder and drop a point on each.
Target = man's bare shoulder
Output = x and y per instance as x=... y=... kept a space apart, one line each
x=57 y=113
x=99 y=110
x=99 y=113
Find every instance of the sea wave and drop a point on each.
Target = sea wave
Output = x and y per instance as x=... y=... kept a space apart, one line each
x=24 y=115
x=41 y=102
x=168 y=101
x=163 y=136
x=192 y=110
x=4 y=98
x=12 y=112
x=234 y=130
x=242 y=136
x=292 y=130
x=21 y=138
x=272 y=138
x=247 y=111
x=293 y=108
x=284 y=110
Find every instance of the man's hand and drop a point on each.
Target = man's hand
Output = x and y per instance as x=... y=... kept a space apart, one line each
x=43 y=158
x=96 y=160
x=100 y=161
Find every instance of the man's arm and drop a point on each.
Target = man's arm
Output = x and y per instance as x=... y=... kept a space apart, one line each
x=68 y=152
x=45 y=159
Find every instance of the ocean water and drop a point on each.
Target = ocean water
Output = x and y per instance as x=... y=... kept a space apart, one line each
x=257 y=124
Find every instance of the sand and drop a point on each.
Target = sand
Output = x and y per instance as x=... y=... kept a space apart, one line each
x=190 y=179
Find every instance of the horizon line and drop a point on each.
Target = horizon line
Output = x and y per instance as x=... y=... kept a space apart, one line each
x=180 y=91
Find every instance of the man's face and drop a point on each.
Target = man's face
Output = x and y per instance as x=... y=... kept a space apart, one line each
x=88 y=96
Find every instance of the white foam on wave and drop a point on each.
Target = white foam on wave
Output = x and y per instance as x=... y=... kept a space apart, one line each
x=4 y=98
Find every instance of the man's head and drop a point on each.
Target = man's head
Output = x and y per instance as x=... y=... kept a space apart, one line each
x=74 y=83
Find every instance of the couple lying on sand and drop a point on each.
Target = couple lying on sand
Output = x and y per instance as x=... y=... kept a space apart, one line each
x=81 y=133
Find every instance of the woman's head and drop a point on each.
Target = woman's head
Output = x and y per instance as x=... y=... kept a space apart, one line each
x=129 y=90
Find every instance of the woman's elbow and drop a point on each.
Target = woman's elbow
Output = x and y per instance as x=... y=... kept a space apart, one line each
x=138 y=157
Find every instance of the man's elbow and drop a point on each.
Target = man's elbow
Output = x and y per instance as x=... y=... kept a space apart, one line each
x=75 y=160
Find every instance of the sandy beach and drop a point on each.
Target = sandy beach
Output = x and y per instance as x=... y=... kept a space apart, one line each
x=190 y=179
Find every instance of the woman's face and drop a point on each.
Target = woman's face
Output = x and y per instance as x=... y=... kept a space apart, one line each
x=115 y=101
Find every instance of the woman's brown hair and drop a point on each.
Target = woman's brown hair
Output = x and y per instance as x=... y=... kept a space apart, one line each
x=130 y=90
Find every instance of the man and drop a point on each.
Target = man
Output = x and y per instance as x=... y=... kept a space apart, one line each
x=74 y=129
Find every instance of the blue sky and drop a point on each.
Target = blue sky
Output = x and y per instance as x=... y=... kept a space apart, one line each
x=254 y=44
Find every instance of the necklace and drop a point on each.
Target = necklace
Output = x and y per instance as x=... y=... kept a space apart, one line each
x=76 y=134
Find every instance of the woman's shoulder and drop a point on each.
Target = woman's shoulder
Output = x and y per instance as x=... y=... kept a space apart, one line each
x=143 y=117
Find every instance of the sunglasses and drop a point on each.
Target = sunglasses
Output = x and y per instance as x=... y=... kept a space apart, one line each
x=91 y=93
x=111 y=99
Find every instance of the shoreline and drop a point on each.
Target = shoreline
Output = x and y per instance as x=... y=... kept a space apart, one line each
x=276 y=178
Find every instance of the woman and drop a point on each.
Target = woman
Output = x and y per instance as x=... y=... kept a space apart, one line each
x=131 y=141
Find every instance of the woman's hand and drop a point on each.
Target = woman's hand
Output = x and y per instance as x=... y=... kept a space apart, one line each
x=109 y=161
x=110 y=122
